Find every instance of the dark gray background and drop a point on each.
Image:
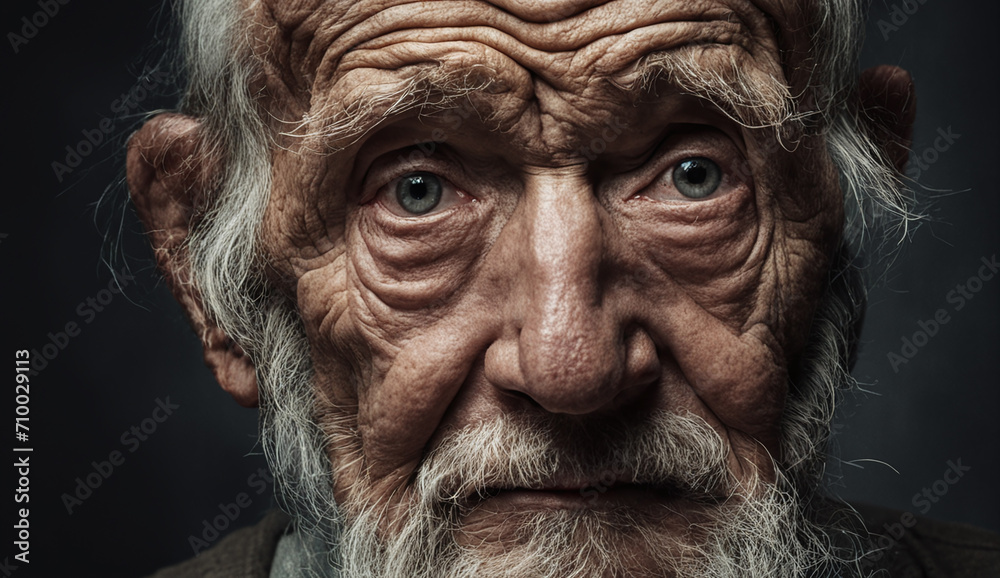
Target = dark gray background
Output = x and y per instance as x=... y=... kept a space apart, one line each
x=894 y=440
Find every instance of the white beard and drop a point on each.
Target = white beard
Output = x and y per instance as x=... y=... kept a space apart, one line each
x=760 y=530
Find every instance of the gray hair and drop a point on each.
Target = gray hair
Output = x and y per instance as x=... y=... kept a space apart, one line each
x=228 y=270
x=226 y=263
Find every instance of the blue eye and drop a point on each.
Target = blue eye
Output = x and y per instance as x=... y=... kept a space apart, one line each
x=419 y=193
x=697 y=178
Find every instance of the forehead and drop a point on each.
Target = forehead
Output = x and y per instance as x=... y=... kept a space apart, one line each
x=567 y=45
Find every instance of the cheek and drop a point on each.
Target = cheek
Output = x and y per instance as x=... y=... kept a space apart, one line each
x=403 y=265
x=401 y=314
x=710 y=268
x=809 y=206
x=714 y=252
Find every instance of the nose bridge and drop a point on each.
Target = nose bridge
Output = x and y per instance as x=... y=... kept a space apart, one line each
x=569 y=347
x=564 y=248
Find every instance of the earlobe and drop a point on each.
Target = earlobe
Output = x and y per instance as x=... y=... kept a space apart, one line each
x=169 y=174
x=889 y=103
x=232 y=368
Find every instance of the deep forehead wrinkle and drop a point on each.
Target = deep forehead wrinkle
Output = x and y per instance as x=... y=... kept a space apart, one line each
x=604 y=57
x=320 y=39
x=377 y=60
x=431 y=88
x=561 y=35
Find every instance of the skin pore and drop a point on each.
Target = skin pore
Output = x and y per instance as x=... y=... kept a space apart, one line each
x=572 y=270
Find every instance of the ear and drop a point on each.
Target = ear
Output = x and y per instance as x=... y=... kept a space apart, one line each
x=889 y=101
x=169 y=175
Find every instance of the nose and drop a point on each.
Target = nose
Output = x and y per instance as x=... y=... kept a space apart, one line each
x=566 y=345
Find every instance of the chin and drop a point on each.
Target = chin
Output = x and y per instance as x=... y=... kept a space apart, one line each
x=557 y=536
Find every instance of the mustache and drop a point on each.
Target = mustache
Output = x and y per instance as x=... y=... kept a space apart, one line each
x=677 y=453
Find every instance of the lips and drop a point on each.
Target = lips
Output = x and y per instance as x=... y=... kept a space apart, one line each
x=598 y=493
x=577 y=494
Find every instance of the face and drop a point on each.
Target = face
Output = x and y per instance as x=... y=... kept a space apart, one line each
x=550 y=240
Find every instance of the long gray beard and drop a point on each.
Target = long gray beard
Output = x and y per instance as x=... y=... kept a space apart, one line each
x=755 y=529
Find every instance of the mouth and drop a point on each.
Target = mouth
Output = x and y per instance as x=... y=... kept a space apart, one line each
x=581 y=496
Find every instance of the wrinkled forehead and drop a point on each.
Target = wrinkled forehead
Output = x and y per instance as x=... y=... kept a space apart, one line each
x=565 y=44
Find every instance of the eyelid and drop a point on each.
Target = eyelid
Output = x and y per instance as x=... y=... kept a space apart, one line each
x=680 y=147
x=400 y=162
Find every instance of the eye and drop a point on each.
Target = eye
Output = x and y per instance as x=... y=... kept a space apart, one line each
x=697 y=178
x=419 y=193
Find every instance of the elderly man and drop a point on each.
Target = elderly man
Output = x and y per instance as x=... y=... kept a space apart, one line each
x=536 y=289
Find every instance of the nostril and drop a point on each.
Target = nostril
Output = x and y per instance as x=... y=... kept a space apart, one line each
x=523 y=398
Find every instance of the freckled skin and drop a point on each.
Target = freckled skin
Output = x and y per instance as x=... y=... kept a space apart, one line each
x=565 y=273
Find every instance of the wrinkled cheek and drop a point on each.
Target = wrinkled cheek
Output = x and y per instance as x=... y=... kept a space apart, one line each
x=707 y=245
x=710 y=269
x=401 y=279
x=406 y=335
x=336 y=365
x=386 y=286
x=400 y=266
x=754 y=403
x=737 y=377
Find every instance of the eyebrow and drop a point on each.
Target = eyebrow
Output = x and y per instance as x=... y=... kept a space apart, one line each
x=430 y=89
x=723 y=74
